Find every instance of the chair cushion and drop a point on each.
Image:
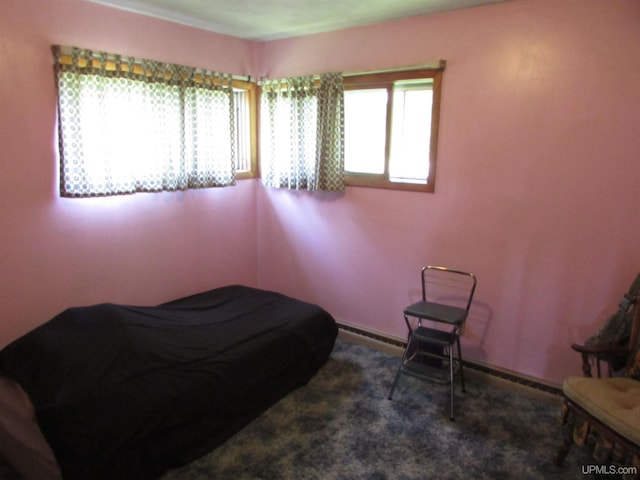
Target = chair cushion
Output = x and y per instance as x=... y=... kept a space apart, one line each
x=438 y=312
x=613 y=401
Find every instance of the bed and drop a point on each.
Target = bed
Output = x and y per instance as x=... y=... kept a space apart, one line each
x=128 y=392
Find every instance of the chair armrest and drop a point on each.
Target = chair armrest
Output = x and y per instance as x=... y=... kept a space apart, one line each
x=603 y=351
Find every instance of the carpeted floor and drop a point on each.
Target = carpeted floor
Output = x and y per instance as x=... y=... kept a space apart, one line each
x=342 y=426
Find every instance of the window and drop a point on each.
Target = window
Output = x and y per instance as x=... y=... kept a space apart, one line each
x=245 y=128
x=131 y=125
x=391 y=125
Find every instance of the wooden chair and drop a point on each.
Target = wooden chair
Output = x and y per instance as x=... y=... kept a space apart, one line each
x=605 y=411
x=610 y=344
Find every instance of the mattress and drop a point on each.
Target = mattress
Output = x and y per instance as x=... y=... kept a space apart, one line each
x=128 y=392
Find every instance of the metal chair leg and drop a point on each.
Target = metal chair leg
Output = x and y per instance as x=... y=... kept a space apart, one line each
x=395 y=382
x=460 y=364
x=399 y=372
x=451 y=380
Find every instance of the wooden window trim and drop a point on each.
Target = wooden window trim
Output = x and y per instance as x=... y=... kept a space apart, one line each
x=385 y=80
x=252 y=91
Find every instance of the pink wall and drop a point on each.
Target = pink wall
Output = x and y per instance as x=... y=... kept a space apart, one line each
x=536 y=191
x=537 y=183
x=140 y=249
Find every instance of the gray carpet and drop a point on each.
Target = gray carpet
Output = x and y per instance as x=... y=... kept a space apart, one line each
x=341 y=426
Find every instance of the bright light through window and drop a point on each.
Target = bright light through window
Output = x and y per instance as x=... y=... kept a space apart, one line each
x=129 y=125
x=131 y=147
x=411 y=133
x=243 y=134
x=365 y=130
x=391 y=129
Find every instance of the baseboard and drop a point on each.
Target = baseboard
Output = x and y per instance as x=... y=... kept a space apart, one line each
x=395 y=346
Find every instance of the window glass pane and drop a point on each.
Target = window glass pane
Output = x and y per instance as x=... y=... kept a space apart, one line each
x=411 y=133
x=242 y=129
x=365 y=118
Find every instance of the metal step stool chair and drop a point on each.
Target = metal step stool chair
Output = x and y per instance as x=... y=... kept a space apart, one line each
x=435 y=324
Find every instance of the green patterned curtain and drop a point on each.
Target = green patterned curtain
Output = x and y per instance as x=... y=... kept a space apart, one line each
x=302 y=133
x=130 y=125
